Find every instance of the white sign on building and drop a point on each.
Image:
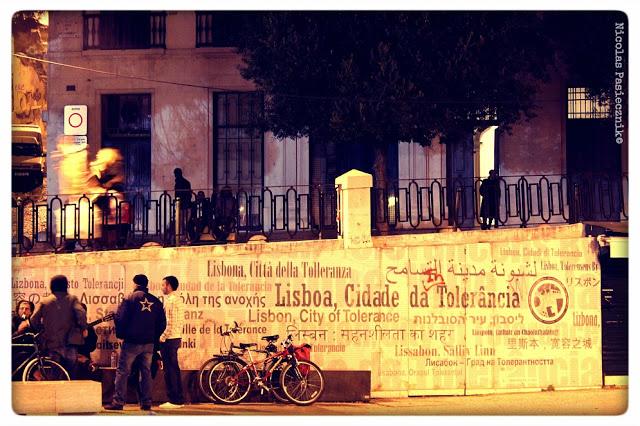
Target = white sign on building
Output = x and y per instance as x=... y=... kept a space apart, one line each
x=75 y=120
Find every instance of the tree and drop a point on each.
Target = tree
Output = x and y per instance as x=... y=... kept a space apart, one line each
x=586 y=46
x=383 y=77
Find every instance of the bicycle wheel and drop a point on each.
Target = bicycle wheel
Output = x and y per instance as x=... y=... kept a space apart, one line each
x=203 y=379
x=49 y=370
x=302 y=389
x=276 y=388
x=228 y=382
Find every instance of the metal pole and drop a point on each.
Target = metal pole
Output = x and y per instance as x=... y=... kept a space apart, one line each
x=178 y=218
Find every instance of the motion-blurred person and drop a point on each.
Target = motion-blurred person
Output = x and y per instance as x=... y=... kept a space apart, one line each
x=107 y=178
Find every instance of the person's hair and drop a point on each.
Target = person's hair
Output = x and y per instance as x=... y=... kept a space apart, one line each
x=59 y=283
x=173 y=282
x=141 y=280
x=177 y=171
x=30 y=303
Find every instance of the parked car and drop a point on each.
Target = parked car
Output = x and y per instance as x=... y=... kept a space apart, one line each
x=28 y=158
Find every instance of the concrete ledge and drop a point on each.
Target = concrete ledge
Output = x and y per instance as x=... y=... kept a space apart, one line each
x=534 y=233
x=228 y=251
x=616 y=380
x=60 y=397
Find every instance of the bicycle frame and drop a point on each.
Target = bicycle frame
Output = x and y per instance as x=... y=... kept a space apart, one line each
x=251 y=366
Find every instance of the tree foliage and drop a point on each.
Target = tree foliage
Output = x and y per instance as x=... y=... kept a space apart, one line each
x=380 y=77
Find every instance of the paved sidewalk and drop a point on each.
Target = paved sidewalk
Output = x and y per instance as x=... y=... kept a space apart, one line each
x=607 y=401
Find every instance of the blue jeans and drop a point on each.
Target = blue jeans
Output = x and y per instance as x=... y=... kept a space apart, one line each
x=128 y=353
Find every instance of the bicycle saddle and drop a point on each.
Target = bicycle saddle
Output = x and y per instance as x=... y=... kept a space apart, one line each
x=271 y=338
x=247 y=345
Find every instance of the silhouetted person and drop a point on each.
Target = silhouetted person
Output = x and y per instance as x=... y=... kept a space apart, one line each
x=183 y=193
x=490 y=192
x=225 y=214
x=201 y=216
x=182 y=188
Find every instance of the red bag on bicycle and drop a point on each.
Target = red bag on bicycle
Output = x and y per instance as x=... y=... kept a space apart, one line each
x=303 y=353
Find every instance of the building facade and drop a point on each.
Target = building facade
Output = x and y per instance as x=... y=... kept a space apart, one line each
x=165 y=89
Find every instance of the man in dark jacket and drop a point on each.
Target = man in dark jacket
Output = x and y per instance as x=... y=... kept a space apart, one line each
x=490 y=206
x=140 y=320
x=63 y=322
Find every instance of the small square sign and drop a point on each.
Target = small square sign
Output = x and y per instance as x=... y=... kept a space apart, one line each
x=75 y=120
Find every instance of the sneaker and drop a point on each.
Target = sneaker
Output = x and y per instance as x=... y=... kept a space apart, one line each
x=170 y=406
x=113 y=406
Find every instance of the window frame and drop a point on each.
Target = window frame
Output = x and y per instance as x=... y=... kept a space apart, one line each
x=157 y=37
x=237 y=184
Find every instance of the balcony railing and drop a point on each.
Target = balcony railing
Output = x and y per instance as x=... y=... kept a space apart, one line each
x=67 y=223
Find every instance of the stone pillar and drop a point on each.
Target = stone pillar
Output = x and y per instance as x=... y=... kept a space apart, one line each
x=354 y=210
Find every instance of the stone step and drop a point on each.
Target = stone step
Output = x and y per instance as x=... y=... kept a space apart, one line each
x=57 y=397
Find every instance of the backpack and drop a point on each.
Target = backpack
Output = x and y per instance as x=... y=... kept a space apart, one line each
x=303 y=353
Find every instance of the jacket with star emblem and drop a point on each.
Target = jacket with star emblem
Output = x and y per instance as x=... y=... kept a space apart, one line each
x=140 y=318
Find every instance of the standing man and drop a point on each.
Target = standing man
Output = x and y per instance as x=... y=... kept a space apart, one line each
x=489 y=208
x=63 y=322
x=170 y=342
x=140 y=320
x=182 y=188
x=183 y=193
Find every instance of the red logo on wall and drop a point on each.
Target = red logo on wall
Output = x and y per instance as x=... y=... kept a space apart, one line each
x=548 y=300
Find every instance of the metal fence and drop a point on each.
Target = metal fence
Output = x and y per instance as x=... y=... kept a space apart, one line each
x=67 y=223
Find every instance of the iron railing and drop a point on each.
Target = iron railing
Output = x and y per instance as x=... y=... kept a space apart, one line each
x=110 y=221
x=426 y=204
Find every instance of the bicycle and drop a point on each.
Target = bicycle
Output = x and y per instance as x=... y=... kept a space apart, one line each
x=38 y=367
x=229 y=354
x=205 y=368
x=301 y=381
